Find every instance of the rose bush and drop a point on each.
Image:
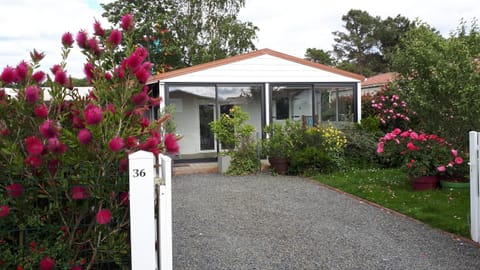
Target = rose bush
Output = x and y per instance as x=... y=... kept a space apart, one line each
x=63 y=156
x=421 y=154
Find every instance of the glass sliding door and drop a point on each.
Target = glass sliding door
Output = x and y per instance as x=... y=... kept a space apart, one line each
x=291 y=102
x=207 y=139
x=335 y=104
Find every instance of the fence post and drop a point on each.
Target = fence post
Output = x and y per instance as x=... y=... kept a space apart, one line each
x=474 y=186
x=164 y=191
x=142 y=210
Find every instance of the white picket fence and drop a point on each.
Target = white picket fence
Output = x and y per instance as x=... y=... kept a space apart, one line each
x=475 y=185
x=150 y=187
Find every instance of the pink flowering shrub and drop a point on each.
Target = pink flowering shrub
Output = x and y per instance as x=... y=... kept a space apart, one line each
x=391 y=109
x=421 y=154
x=63 y=161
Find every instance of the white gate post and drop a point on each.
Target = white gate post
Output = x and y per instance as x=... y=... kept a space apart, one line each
x=165 y=213
x=474 y=186
x=142 y=210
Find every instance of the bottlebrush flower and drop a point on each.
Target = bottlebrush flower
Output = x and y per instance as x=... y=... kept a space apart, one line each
x=127 y=22
x=53 y=165
x=22 y=70
x=40 y=111
x=76 y=267
x=103 y=216
x=115 y=37
x=32 y=94
x=171 y=143
x=15 y=190
x=123 y=165
x=140 y=98
x=36 y=56
x=9 y=75
x=94 y=47
x=61 y=77
x=47 y=263
x=142 y=75
x=4 y=210
x=132 y=141
x=39 y=76
x=67 y=40
x=97 y=29
x=33 y=161
x=48 y=129
x=84 y=136
x=56 y=146
x=82 y=39
x=34 y=145
x=79 y=193
x=93 y=115
x=88 y=69
x=116 y=144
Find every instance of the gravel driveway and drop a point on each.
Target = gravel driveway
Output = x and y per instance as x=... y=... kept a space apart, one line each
x=284 y=222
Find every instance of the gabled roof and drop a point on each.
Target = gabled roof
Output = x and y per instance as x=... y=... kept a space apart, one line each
x=233 y=59
x=380 y=79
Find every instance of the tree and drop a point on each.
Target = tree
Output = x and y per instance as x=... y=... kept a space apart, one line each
x=182 y=33
x=441 y=78
x=319 y=56
x=368 y=42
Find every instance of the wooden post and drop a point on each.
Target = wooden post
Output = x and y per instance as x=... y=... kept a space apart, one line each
x=474 y=186
x=165 y=213
x=142 y=210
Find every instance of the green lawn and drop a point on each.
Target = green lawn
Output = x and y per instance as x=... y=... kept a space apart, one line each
x=446 y=209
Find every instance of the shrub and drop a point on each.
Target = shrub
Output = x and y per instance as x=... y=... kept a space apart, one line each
x=63 y=162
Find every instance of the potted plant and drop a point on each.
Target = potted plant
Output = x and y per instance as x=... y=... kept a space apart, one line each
x=424 y=156
x=278 y=145
x=236 y=139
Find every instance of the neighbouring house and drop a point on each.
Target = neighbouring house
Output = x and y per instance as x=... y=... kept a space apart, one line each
x=371 y=85
x=269 y=85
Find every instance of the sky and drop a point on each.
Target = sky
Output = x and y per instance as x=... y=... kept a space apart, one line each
x=286 y=26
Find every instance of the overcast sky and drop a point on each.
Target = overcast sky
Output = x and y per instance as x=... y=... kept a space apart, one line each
x=286 y=26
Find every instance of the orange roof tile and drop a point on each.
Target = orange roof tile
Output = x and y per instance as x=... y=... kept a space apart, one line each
x=249 y=55
x=380 y=79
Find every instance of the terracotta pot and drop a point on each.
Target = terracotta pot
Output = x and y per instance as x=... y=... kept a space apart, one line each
x=425 y=182
x=279 y=165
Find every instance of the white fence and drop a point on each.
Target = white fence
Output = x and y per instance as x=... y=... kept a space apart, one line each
x=150 y=186
x=475 y=185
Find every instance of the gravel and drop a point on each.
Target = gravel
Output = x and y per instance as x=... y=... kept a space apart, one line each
x=284 y=222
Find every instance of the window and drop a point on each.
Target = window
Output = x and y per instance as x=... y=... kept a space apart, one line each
x=335 y=104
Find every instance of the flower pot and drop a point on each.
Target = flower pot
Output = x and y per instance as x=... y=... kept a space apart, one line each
x=279 y=165
x=425 y=182
x=455 y=185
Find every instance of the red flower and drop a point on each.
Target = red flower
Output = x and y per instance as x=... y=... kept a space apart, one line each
x=41 y=111
x=9 y=75
x=33 y=161
x=67 y=40
x=53 y=165
x=22 y=70
x=144 y=122
x=56 y=146
x=47 y=263
x=15 y=190
x=142 y=75
x=79 y=193
x=82 y=39
x=32 y=94
x=93 y=45
x=458 y=160
x=61 y=77
x=97 y=29
x=116 y=144
x=4 y=210
x=89 y=69
x=76 y=267
x=124 y=198
x=77 y=122
x=115 y=37
x=103 y=216
x=132 y=141
x=140 y=98
x=93 y=114
x=34 y=145
x=84 y=136
x=36 y=56
x=39 y=76
x=411 y=146
x=171 y=143
x=127 y=22
x=48 y=129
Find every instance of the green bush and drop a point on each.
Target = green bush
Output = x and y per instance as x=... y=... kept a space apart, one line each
x=311 y=159
x=245 y=160
x=361 y=147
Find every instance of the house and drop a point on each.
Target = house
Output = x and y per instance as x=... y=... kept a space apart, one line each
x=269 y=85
x=375 y=83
